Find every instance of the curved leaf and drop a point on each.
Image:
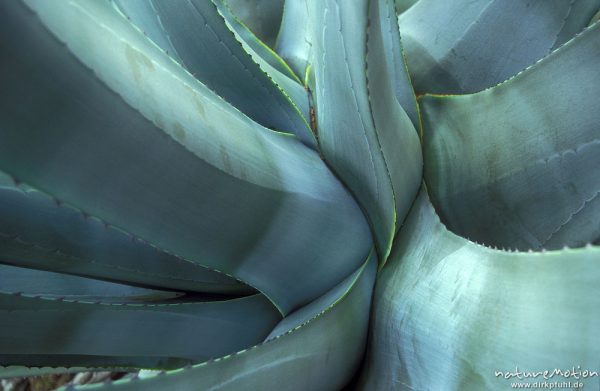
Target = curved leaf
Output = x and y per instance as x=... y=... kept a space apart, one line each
x=403 y=5
x=595 y=18
x=38 y=232
x=391 y=51
x=387 y=80
x=200 y=181
x=516 y=165
x=196 y=35
x=448 y=313
x=318 y=350
x=57 y=285
x=263 y=17
x=269 y=61
x=465 y=46
x=294 y=40
x=374 y=149
x=193 y=331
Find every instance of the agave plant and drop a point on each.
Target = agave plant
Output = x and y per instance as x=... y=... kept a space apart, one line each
x=300 y=194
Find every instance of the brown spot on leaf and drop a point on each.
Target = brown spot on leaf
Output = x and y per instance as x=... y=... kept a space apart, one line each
x=179 y=132
x=138 y=62
x=226 y=159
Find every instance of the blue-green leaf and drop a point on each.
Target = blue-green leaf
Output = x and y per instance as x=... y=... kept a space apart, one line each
x=403 y=5
x=373 y=149
x=516 y=166
x=393 y=106
x=392 y=52
x=117 y=333
x=263 y=17
x=294 y=40
x=465 y=46
x=449 y=313
x=319 y=348
x=38 y=232
x=196 y=35
x=268 y=59
x=164 y=158
x=57 y=285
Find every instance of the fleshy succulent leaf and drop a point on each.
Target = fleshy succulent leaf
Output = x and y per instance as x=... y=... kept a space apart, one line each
x=403 y=5
x=500 y=160
x=187 y=196
x=448 y=313
x=389 y=90
x=57 y=285
x=389 y=50
x=39 y=232
x=266 y=57
x=193 y=331
x=465 y=46
x=195 y=34
x=356 y=145
x=294 y=40
x=111 y=324
x=595 y=18
x=201 y=181
x=322 y=353
x=263 y=17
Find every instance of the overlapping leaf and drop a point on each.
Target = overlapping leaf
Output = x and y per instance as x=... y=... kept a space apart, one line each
x=317 y=348
x=60 y=332
x=449 y=313
x=165 y=159
x=38 y=232
x=148 y=176
x=62 y=286
x=195 y=34
x=466 y=46
x=268 y=59
x=403 y=5
x=294 y=40
x=63 y=319
x=263 y=17
x=374 y=149
x=516 y=166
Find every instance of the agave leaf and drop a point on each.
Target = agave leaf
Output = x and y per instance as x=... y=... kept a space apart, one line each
x=281 y=74
x=516 y=166
x=268 y=59
x=387 y=80
x=40 y=233
x=355 y=141
x=294 y=40
x=448 y=313
x=202 y=181
x=403 y=5
x=466 y=46
x=186 y=330
x=263 y=17
x=196 y=35
x=321 y=353
x=579 y=15
x=305 y=314
x=595 y=18
x=387 y=48
x=57 y=285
